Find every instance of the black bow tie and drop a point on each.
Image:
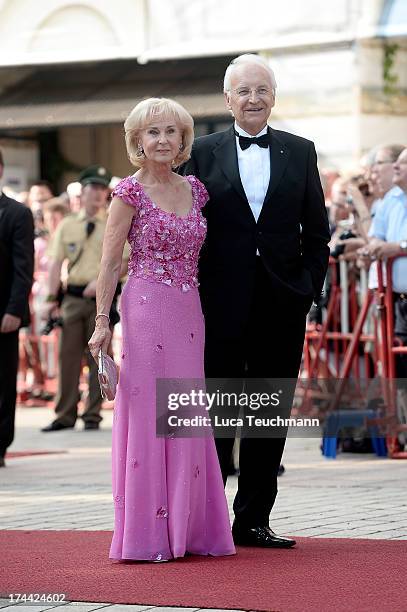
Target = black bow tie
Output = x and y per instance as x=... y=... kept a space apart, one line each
x=245 y=142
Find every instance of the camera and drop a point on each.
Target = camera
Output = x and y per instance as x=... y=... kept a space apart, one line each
x=340 y=248
x=51 y=324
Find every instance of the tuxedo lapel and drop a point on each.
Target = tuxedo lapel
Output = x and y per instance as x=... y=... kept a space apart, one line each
x=279 y=156
x=226 y=156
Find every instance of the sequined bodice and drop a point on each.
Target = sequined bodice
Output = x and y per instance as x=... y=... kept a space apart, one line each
x=164 y=246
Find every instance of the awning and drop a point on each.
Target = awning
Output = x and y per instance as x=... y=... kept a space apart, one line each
x=92 y=112
x=105 y=92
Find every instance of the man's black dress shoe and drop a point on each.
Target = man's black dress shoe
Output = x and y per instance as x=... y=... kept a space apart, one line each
x=56 y=426
x=263 y=537
x=91 y=425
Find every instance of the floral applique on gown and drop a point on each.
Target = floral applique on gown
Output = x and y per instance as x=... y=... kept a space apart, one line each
x=168 y=492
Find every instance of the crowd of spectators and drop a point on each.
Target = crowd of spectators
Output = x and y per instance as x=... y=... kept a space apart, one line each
x=357 y=203
x=36 y=364
x=368 y=219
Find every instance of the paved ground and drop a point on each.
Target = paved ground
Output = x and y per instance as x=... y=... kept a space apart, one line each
x=352 y=496
x=89 y=607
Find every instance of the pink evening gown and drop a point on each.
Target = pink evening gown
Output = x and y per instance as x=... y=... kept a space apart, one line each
x=168 y=492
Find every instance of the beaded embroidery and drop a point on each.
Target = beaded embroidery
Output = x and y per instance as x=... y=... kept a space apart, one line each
x=164 y=246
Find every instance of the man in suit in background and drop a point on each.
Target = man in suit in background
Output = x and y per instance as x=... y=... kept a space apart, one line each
x=16 y=277
x=263 y=263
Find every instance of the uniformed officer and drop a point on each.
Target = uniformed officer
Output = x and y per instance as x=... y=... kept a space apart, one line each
x=79 y=240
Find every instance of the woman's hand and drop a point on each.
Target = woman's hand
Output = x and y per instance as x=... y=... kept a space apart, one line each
x=100 y=339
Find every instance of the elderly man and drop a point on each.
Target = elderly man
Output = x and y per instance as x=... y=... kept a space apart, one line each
x=78 y=239
x=380 y=180
x=383 y=175
x=263 y=263
x=389 y=238
x=16 y=277
x=389 y=227
x=382 y=169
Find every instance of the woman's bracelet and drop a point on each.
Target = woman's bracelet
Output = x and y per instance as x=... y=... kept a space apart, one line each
x=102 y=314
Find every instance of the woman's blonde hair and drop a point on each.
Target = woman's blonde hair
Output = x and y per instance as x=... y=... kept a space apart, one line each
x=148 y=111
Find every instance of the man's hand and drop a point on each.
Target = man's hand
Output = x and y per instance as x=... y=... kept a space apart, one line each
x=9 y=323
x=384 y=250
x=90 y=289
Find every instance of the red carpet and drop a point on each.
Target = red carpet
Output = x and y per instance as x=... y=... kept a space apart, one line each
x=28 y=453
x=339 y=575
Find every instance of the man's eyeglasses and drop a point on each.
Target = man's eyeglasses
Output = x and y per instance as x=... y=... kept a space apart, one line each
x=244 y=92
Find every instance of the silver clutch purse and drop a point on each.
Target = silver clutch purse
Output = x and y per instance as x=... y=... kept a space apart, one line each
x=107 y=375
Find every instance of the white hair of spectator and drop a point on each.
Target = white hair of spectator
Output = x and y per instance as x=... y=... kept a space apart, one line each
x=74 y=189
x=248 y=58
x=115 y=180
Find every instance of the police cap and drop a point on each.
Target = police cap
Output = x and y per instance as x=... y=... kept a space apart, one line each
x=95 y=174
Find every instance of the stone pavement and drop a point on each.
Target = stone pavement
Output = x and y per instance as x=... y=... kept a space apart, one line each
x=78 y=606
x=356 y=496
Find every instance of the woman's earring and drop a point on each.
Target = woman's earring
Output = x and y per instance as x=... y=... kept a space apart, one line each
x=181 y=147
x=140 y=150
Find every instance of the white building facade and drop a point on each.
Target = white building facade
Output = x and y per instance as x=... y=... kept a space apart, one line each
x=70 y=73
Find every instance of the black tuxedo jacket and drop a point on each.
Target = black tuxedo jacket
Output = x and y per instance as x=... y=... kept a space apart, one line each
x=16 y=258
x=291 y=235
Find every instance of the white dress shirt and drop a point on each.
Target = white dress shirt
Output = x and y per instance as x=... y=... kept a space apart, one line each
x=254 y=170
x=390 y=224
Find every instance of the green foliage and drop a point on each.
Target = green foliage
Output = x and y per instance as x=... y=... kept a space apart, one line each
x=390 y=78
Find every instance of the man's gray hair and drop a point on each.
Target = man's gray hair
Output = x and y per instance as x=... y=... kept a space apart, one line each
x=393 y=150
x=248 y=58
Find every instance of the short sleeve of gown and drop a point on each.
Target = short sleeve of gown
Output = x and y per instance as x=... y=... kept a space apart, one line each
x=127 y=191
x=200 y=189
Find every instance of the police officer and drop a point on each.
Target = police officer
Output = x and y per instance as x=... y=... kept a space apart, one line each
x=78 y=239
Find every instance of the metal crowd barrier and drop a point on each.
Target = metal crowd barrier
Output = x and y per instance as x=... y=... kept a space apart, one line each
x=392 y=348
x=356 y=341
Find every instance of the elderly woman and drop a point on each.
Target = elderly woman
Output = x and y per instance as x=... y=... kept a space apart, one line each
x=168 y=492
